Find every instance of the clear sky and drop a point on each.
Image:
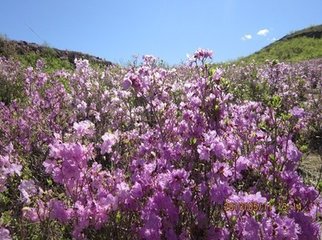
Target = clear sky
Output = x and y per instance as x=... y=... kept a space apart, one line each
x=117 y=30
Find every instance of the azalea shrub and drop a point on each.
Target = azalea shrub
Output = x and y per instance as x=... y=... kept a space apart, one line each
x=294 y=85
x=147 y=152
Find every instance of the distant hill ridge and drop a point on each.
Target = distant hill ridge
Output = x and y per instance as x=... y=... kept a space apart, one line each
x=310 y=32
x=305 y=44
x=30 y=52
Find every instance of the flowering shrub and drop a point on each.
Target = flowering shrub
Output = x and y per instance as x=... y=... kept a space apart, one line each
x=153 y=153
x=295 y=86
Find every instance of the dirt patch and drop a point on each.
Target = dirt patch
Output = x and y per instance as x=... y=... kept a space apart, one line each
x=310 y=168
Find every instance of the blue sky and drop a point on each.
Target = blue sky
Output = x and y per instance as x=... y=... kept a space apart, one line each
x=117 y=30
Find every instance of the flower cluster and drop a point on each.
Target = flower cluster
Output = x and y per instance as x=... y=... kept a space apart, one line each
x=155 y=153
x=8 y=166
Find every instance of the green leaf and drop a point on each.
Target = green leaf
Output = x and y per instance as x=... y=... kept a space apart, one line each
x=5 y=218
x=271 y=202
x=216 y=107
x=263 y=126
x=193 y=141
x=272 y=157
x=320 y=186
x=286 y=116
x=4 y=199
x=276 y=101
x=118 y=217
x=49 y=182
x=304 y=148
x=212 y=71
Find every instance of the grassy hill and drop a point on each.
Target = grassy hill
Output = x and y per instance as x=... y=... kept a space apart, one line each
x=29 y=53
x=301 y=45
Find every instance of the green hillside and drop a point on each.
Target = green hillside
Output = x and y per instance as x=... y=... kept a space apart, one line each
x=29 y=53
x=301 y=45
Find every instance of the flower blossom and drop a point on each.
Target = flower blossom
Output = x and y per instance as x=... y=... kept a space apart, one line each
x=109 y=139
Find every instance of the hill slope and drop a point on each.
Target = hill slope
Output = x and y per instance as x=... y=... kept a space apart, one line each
x=29 y=53
x=301 y=45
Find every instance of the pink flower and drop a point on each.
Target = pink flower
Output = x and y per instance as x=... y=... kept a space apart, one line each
x=84 y=128
x=248 y=198
x=30 y=213
x=59 y=211
x=217 y=75
x=297 y=112
x=203 y=54
x=149 y=59
x=220 y=192
x=4 y=234
x=127 y=83
x=204 y=152
x=27 y=189
x=15 y=169
x=109 y=139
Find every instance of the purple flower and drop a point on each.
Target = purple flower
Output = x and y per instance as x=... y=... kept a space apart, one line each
x=202 y=54
x=290 y=177
x=218 y=233
x=127 y=83
x=220 y=192
x=27 y=190
x=31 y=214
x=309 y=229
x=107 y=201
x=109 y=140
x=219 y=148
x=170 y=234
x=152 y=228
x=9 y=149
x=49 y=165
x=174 y=181
x=248 y=228
x=178 y=180
x=286 y=228
x=84 y=128
x=136 y=191
x=247 y=198
x=71 y=162
x=217 y=75
x=8 y=165
x=59 y=211
x=242 y=163
x=204 y=152
x=303 y=192
x=149 y=59
x=4 y=234
x=257 y=197
x=15 y=169
x=297 y=112
x=293 y=154
x=222 y=170
x=123 y=190
x=82 y=106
